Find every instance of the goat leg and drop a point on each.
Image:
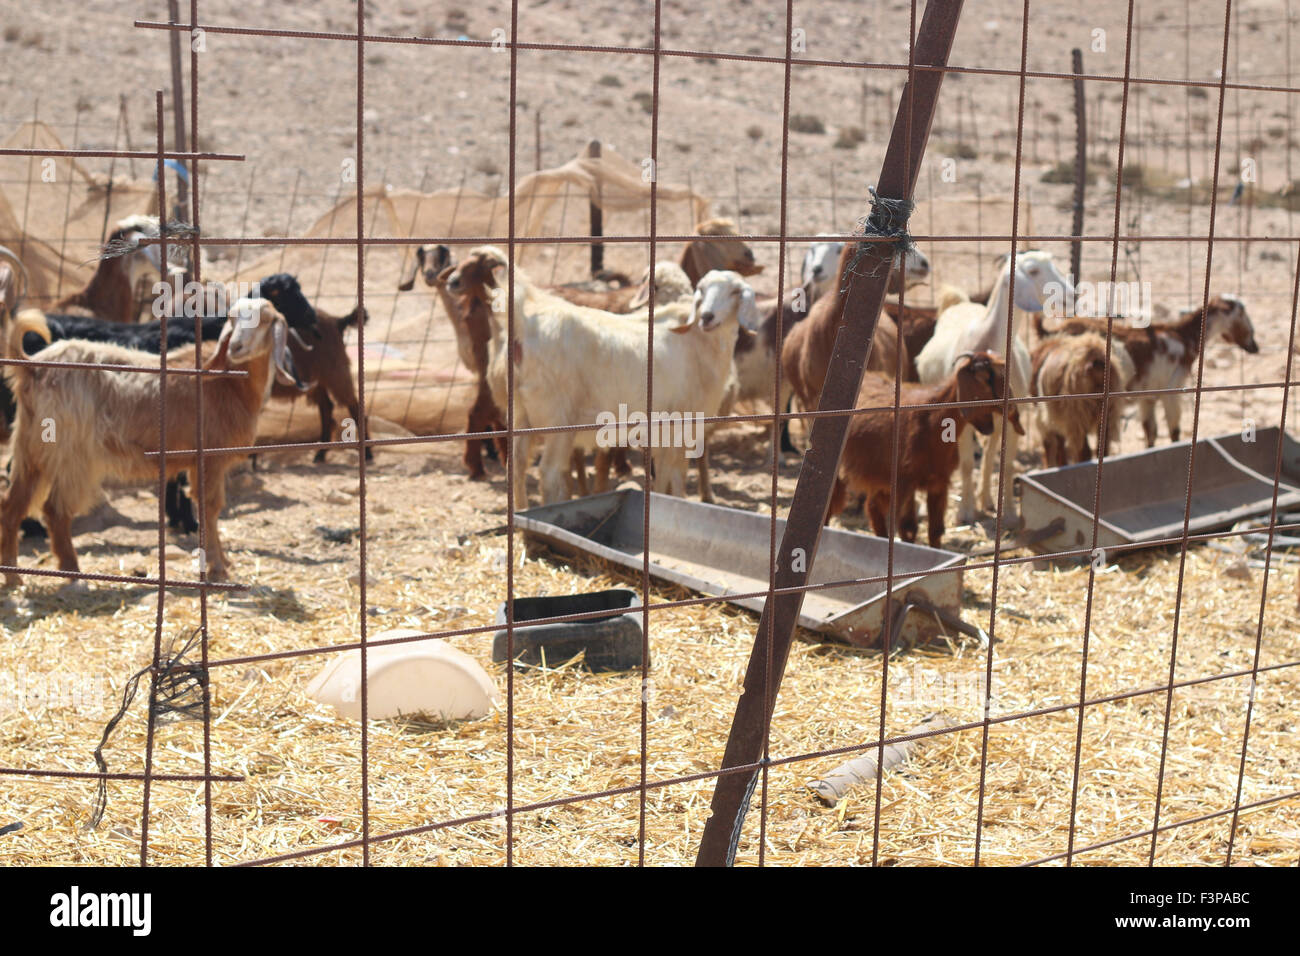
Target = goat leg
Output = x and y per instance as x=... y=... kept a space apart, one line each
x=838 y=494
x=578 y=461
x=180 y=507
x=601 y=469
x=214 y=499
x=936 y=503
x=326 y=409
x=909 y=524
x=60 y=525
x=519 y=460
x=473 y=457
x=702 y=467
x=1148 y=414
x=966 y=443
x=1173 y=415
x=12 y=511
x=621 y=467
x=877 y=506
x=787 y=445
x=481 y=419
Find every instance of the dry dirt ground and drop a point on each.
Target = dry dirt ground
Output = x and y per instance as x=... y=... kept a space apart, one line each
x=436 y=117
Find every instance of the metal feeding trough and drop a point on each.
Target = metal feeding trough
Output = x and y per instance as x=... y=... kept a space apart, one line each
x=1143 y=494
x=724 y=551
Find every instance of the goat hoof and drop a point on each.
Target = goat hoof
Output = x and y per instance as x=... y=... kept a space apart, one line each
x=479 y=475
x=965 y=515
x=319 y=457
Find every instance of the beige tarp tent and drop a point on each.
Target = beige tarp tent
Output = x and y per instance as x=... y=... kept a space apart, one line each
x=413 y=375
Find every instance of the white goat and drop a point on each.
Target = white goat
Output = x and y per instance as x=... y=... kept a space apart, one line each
x=968 y=327
x=820 y=265
x=575 y=365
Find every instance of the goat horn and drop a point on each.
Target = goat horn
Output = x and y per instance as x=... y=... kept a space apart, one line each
x=407 y=280
x=22 y=270
x=299 y=339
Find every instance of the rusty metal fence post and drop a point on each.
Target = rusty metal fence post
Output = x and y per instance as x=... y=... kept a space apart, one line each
x=863 y=295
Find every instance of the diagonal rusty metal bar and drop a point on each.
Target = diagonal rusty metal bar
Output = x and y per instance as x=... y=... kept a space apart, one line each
x=863 y=291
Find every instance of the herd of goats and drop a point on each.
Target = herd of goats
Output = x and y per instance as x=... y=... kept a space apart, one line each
x=84 y=410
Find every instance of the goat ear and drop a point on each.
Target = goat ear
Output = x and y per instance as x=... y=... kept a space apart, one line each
x=749 y=316
x=691 y=320
x=407 y=282
x=222 y=355
x=281 y=357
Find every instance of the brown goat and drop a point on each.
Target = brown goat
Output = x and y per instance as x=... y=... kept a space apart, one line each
x=724 y=255
x=916 y=322
x=429 y=262
x=471 y=320
x=108 y=423
x=1074 y=365
x=465 y=291
x=110 y=293
x=698 y=258
x=928 y=451
x=806 y=354
x=327 y=366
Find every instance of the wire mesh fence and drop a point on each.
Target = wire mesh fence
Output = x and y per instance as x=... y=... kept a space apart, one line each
x=1145 y=721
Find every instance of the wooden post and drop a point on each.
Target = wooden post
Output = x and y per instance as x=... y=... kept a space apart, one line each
x=1080 y=165
x=597 y=218
x=181 y=208
x=537 y=140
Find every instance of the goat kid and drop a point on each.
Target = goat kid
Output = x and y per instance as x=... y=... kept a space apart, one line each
x=1076 y=365
x=927 y=444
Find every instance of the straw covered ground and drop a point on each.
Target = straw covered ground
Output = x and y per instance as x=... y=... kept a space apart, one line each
x=575 y=732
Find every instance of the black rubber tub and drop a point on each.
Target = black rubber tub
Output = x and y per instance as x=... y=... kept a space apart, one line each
x=611 y=642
